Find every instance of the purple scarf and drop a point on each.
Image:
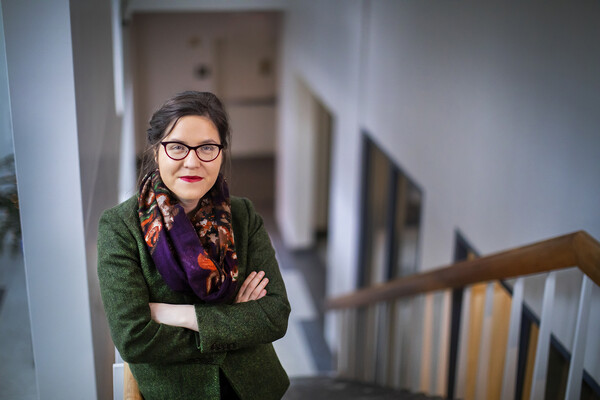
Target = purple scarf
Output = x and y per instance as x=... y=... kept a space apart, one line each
x=193 y=255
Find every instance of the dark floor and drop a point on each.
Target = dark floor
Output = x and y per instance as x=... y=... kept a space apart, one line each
x=325 y=388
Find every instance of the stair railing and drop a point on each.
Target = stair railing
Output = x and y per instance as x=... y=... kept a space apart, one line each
x=386 y=327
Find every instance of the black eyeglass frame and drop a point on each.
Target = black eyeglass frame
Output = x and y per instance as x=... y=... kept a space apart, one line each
x=194 y=148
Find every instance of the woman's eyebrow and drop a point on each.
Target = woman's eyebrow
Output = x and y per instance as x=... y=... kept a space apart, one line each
x=207 y=141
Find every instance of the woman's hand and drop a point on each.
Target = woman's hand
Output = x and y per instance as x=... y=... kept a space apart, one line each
x=182 y=315
x=253 y=287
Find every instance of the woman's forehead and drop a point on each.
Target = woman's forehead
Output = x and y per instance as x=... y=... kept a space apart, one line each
x=193 y=128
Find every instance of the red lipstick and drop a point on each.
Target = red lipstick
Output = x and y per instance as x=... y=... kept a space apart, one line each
x=191 y=178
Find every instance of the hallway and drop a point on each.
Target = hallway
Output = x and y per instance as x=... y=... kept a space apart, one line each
x=302 y=351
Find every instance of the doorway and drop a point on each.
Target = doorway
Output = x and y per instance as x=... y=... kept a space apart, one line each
x=322 y=177
x=235 y=56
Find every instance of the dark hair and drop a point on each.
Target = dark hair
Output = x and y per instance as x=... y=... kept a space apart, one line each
x=203 y=104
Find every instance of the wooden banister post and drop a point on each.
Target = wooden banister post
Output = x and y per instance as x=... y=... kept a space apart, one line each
x=130 y=386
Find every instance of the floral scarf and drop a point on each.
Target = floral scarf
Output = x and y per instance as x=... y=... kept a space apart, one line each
x=193 y=255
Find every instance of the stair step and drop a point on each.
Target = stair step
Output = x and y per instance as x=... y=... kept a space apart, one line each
x=328 y=388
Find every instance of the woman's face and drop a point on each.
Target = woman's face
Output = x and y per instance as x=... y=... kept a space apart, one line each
x=190 y=179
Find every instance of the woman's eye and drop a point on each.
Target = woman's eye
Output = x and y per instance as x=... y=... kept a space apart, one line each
x=176 y=147
x=207 y=148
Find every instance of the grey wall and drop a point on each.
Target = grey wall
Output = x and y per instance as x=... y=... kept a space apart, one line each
x=490 y=108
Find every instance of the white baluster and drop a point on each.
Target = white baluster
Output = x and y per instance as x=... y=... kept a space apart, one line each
x=370 y=344
x=416 y=342
x=512 y=347
x=444 y=340
x=382 y=343
x=403 y=355
x=352 y=318
x=538 y=385
x=581 y=328
x=426 y=337
x=343 y=347
x=483 y=361
x=463 y=347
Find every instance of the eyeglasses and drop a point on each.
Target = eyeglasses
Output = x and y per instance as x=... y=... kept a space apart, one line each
x=205 y=152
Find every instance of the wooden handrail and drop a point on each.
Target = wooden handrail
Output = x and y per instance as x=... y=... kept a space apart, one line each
x=575 y=249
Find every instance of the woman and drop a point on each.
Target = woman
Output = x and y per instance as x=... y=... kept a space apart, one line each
x=171 y=260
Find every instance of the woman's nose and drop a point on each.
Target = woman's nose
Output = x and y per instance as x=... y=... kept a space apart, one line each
x=192 y=160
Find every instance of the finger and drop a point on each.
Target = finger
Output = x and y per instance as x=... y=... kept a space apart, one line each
x=262 y=294
x=244 y=292
x=246 y=281
x=254 y=282
x=250 y=284
x=258 y=289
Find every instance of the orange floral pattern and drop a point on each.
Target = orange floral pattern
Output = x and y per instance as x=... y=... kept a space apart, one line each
x=192 y=255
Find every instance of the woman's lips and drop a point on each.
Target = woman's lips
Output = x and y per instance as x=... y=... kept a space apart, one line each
x=191 y=178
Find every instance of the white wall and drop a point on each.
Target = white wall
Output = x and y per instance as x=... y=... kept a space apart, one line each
x=43 y=106
x=489 y=107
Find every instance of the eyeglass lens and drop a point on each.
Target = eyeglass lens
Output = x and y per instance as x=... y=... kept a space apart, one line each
x=207 y=152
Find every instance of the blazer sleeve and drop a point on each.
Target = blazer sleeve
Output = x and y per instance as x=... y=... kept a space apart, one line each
x=125 y=295
x=229 y=327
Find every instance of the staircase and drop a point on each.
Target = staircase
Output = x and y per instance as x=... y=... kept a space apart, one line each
x=482 y=328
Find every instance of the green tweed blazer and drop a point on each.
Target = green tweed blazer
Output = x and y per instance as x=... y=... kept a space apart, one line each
x=177 y=363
